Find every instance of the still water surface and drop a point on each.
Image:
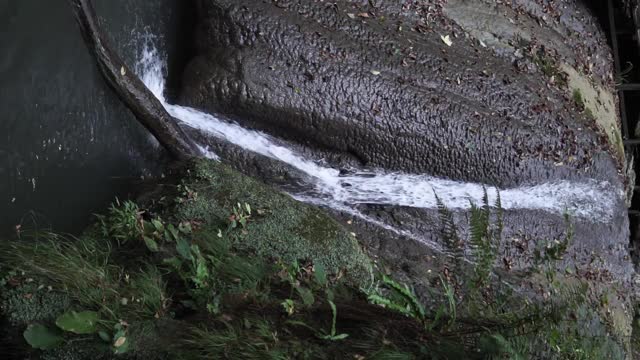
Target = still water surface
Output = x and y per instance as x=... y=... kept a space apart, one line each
x=67 y=144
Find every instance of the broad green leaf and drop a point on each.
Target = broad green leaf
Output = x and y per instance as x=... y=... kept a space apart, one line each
x=84 y=322
x=320 y=274
x=202 y=272
x=41 y=337
x=158 y=225
x=152 y=245
x=183 y=248
x=306 y=295
x=173 y=262
x=104 y=336
x=174 y=232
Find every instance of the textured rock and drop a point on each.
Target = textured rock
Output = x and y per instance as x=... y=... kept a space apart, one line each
x=379 y=84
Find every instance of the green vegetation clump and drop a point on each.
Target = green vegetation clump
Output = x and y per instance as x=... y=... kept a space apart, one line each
x=223 y=267
x=279 y=226
x=549 y=67
x=578 y=98
x=82 y=268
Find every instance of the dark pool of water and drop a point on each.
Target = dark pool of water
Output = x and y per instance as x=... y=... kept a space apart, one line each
x=67 y=144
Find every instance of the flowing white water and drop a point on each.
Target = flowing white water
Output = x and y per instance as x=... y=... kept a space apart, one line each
x=592 y=200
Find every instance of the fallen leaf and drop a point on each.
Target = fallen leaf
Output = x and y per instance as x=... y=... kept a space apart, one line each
x=446 y=39
x=120 y=341
x=375 y=72
x=123 y=72
x=353 y=16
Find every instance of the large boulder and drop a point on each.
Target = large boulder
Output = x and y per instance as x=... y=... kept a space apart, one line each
x=509 y=95
x=501 y=94
x=381 y=84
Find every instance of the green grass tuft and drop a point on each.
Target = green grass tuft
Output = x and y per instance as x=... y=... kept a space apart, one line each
x=83 y=269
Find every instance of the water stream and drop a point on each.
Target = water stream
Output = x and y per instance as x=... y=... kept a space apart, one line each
x=591 y=200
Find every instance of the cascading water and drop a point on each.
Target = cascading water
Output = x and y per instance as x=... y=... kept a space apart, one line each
x=591 y=200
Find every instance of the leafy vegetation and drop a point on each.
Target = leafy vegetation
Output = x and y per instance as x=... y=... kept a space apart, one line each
x=205 y=287
x=547 y=64
x=40 y=337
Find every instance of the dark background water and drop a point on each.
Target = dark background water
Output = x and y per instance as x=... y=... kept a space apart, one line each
x=67 y=144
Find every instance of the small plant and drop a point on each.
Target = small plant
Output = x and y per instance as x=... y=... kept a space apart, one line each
x=548 y=66
x=590 y=115
x=195 y=269
x=289 y=306
x=401 y=299
x=485 y=237
x=623 y=77
x=333 y=335
x=208 y=268
x=240 y=216
x=554 y=250
x=450 y=295
x=449 y=232
x=123 y=222
x=119 y=341
x=186 y=194
x=578 y=99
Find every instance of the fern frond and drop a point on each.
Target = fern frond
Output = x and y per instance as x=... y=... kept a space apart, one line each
x=406 y=293
x=449 y=232
x=499 y=214
x=484 y=239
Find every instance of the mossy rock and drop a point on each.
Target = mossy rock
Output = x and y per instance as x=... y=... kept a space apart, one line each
x=280 y=227
x=32 y=302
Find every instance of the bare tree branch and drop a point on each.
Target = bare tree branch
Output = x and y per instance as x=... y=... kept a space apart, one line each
x=131 y=90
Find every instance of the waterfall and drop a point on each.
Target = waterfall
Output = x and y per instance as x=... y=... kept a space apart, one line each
x=589 y=199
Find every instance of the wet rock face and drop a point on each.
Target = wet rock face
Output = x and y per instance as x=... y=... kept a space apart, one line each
x=401 y=85
x=381 y=85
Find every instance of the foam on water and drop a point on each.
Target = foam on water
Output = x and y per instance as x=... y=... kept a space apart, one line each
x=592 y=200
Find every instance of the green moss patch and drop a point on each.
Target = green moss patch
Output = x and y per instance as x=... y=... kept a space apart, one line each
x=31 y=301
x=280 y=227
